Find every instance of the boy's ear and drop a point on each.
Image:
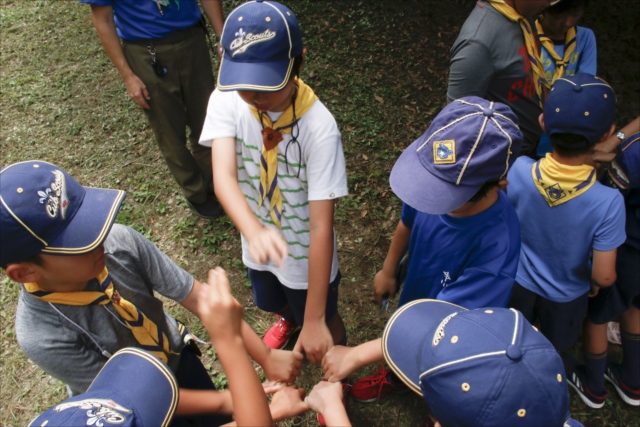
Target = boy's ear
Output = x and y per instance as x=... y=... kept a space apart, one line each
x=502 y=184
x=608 y=134
x=304 y=53
x=23 y=272
x=541 y=121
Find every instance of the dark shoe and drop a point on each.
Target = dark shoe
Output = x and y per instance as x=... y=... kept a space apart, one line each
x=629 y=395
x=577 y=379
x=210 y=209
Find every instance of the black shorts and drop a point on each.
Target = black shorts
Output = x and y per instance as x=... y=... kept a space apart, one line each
x=616 y=299
x=272 y=296
x=560 y=322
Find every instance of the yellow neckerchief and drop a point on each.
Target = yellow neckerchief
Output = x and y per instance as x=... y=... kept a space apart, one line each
x=147 y=333
x=559 y=183
x=303 y=99
x=530 y=41
x=569 y=48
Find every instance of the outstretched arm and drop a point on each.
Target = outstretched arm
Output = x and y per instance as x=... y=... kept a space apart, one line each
x=221 y=315
x=278 y=365
x=326 y=399
x=264 y=243
x=315 y=338
x=106 y=29
x=341 y=361
x=385 y=281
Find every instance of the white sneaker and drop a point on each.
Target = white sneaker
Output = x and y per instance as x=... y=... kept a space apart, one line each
x=613 y=333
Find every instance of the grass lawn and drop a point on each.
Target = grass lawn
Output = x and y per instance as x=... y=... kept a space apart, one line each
x=381 y=67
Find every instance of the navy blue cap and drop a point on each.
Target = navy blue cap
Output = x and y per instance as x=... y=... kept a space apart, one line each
x=470 y=142
x=581 y=104
x=44 y=210
x=484 y=367
x=261 y=39
x=134 y=388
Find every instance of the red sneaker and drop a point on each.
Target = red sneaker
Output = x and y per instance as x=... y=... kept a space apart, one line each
x=372 y=387
x=280 y=333
x=345 y=391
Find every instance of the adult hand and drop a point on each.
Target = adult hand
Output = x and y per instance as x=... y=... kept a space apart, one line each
x=137 y=91
x=315 y=340
x=287 y=402
x=324 y=395
x=283 y=365
x=384 y=286
x=268 y=244
x=338 y=363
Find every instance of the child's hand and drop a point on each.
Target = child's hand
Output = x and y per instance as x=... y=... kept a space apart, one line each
x=384 y=286
x=220 y=311
x=266 y=245
x=287 y=402
x=283 y=365
x=337 y=363
x=325 y=395
x=315 y=340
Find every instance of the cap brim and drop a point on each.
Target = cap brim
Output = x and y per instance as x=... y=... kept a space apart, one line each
x=422 y=190
x=264 y=76
x=405 y=335
x=144 y=381
x=90 y=225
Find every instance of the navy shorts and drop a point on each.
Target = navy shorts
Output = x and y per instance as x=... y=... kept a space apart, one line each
x=272 y=296
x=560 y=322
x=615 y=300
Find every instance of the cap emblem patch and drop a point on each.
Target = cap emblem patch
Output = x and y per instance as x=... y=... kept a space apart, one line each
x=437 y=337
x=244 y=41
x=105 y=410
x=444 y=152
x=55 y=198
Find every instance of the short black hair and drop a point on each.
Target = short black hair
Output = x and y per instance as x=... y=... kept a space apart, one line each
x=570 y=145
x=482 y=192
x=33 y=259
x=567 y=6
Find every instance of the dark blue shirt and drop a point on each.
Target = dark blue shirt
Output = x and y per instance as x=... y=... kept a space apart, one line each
x=468 y=261
x=141 y=19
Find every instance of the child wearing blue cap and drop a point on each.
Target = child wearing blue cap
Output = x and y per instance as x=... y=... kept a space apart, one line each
x=88 y=290
x=461 y=234
x=472 y=367
x=135 y=388
x=278 y=169
x=571 y=224
x=565 y=47
x=623 y=298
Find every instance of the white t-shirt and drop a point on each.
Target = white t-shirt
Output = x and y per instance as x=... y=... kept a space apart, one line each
x=314 y=170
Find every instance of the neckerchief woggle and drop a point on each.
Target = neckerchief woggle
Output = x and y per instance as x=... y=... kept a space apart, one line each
x=548 y=45
x=535 y=58
x=558 y=183
x=304 y=99
x=145 y=331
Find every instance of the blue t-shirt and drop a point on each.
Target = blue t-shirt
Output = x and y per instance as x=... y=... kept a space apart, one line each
x=141 y=19
x=557 y=241
x=468 y=261
x=584 y=58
